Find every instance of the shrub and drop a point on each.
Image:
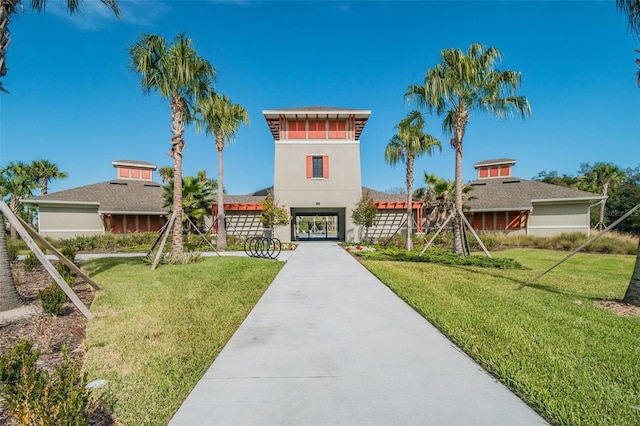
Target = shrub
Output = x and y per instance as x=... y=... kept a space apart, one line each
x=13 y=251
x=69 y=251
x=33 y=397
x=65 y=273
x=52 y=298
x=30 y=262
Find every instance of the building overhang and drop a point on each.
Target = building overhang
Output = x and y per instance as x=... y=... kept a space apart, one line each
x=502 y=209
x=276 y=117
x=60 y=203
x=396 y=205
x=113 y=212
x=569 y=200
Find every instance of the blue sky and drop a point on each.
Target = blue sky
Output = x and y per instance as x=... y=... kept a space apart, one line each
x=75 y=102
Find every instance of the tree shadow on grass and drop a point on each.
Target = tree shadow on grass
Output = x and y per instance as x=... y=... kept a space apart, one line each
x=96 y=266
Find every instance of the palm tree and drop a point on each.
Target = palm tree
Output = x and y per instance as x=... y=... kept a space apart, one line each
x=9 y=297
x=196 y=197
x=9 y=8
x=602 y=177
x=454 y=88
x=43 y=171
x=181 y=76
x=409 y=143
x=221 y=118
x=439 y=198
x=632 y=9
x=16 y=182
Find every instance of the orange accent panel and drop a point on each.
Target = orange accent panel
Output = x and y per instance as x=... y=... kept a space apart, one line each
x=146 y=174
x=484 y=173
x=135 y=173
x=325 y=166
x=309 y=166
x=123 y=172
x=493 y=171
x=476 y=223
x=504 y=170
x=117 y=224
x=297 y=129
x=131 y=224
x=337 y=129
x=317 y=129
x=489 y=221
x=501 y=221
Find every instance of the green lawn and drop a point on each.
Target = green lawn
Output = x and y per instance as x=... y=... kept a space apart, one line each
x=156 y=333
x=572 y=361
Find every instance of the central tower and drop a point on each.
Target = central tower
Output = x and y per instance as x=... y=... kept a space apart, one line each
x=317 y=169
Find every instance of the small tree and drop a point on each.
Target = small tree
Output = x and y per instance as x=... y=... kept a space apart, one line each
x=365 y=213
x=272 y=214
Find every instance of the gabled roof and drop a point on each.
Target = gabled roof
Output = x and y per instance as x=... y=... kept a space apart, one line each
x=253 y=198
x=115 y=196
x=511 y=193
x=383 y=197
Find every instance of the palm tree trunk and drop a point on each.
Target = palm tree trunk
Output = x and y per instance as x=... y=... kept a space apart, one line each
x=457 y=221
x=44 y=187
x=9 y=297
x=605 y=190
x=222 y=230
x=632 y=294
x=178 y=107
x=409 y=242
x=13 y=205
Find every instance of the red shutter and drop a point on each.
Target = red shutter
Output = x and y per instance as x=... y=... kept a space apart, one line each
x=325 y=166
x=309 y=167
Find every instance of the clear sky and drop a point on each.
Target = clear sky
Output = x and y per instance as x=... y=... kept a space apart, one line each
x=75 y=102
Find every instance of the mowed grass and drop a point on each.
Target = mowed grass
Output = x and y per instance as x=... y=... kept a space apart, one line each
x=156 y=333
x=574 y=362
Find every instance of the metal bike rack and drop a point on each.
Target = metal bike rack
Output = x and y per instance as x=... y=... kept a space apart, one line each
x=262 y=247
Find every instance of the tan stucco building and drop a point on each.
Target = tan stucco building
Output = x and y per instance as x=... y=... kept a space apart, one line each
x=505 y=203
x=317 y=177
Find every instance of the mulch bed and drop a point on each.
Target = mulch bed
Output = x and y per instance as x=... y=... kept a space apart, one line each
x=48 y=333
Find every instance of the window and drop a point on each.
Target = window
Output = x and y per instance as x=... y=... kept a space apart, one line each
x=317 y=166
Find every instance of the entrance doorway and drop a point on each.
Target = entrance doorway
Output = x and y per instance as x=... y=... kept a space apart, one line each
x=316 y=226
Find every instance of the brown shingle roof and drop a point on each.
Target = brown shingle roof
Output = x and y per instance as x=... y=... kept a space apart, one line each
x=510 y=193
x=114 y=196
x=383 y=197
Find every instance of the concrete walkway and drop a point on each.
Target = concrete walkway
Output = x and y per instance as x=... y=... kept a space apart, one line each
x=329 y=344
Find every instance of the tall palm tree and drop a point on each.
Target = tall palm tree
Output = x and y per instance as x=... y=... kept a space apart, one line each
x=181 y=76
x=460 y=84
x=9 y=297
x=406 y=145
x=602 y=177
x=16 y=182
x=222 y=119
x=44 y=171
x=9 y=8
x=632 y=9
